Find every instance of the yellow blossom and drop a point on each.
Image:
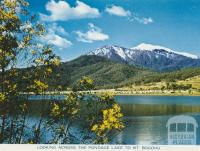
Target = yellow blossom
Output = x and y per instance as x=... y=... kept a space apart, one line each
x=49 y=70
x=2 y=97
x=94 y=127
x=56 y=62
x=102 y=127
x=40 y=86
x=33 y=52
x=105 y=112
x=55 y=110
x=39 y=60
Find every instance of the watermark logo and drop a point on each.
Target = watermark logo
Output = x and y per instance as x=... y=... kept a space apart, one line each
x=182 y=130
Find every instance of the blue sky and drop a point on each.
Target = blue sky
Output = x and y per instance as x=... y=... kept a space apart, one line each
x=76 y=27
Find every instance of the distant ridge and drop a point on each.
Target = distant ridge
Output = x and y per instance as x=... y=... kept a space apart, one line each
x=150 y=56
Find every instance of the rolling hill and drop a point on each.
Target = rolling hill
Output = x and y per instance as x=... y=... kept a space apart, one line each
x=111 y=74
x=106 y=73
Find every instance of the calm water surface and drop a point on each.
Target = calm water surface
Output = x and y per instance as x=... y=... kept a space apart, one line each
x=183 y=100
x=146 y=117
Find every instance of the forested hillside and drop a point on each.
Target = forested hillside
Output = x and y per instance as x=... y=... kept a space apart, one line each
x=109 y=74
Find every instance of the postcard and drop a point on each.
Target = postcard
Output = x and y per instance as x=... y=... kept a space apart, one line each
x=99 y=75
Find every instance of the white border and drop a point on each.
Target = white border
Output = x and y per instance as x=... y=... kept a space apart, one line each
x=71 y=147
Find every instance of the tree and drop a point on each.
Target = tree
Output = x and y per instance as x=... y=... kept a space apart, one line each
x=97 y=117
x=19 y=45
x=19 y=31
x=85 y=83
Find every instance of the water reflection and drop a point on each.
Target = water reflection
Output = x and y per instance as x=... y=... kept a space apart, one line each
x=145 y=117
x=157 y=109
x=148 y=130
x=170 y=100
x=143 y=130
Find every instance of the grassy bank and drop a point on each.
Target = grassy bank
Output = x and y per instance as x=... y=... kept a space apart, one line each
x=136 y=92
x=156 y=88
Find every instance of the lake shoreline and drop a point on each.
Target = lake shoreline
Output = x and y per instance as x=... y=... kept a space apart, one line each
x=152 y=95
x=156 y=94
x=133 y=93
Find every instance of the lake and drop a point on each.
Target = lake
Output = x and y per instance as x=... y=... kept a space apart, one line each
x=145 y=117
x=179 y=100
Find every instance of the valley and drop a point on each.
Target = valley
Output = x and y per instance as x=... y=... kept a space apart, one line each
x=122 y=77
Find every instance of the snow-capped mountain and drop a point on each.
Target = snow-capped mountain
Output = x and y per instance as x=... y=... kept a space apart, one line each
x=115 y=53
x=150 y=56
x=150 y=47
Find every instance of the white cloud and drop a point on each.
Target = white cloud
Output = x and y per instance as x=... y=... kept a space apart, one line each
x=147 y=20
x=62 y=11
x=142 y=20
x=93 y=34
x=118 y=11
x=57 y=40
x=55 y=36
x=58 y=29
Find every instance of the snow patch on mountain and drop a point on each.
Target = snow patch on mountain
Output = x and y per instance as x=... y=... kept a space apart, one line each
x=120 y=52
x=150 y=47
x=155 y=57
x=187 y=55
x=108 y=51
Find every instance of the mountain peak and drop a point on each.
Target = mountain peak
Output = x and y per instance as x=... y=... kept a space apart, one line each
x=150 y=47
x=155 y=57
x=109 y=50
